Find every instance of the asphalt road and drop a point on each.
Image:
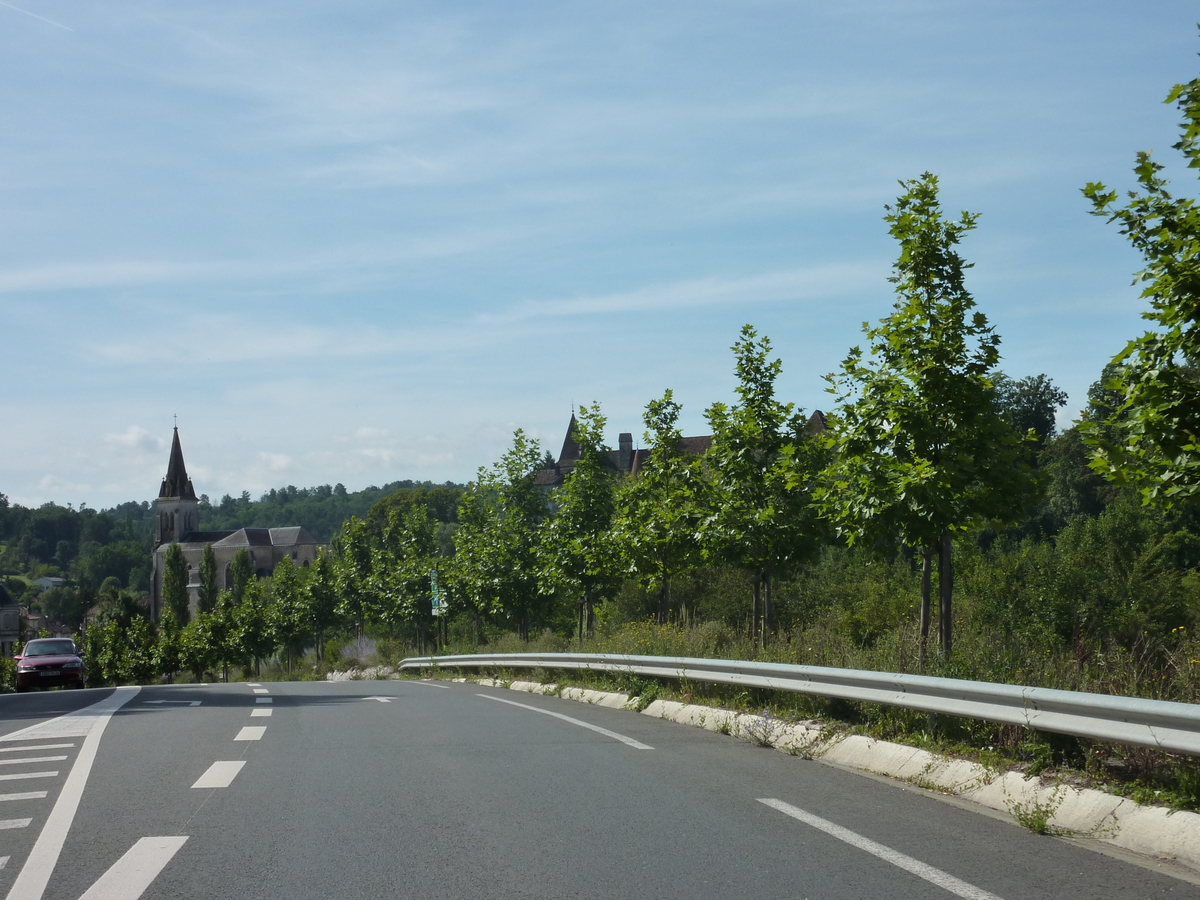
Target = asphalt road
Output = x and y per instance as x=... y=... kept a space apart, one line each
x=467 y=792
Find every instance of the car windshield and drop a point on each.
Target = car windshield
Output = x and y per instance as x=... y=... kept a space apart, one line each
x=50 y=648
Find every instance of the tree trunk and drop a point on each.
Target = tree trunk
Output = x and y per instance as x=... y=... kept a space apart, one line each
x=768 y=607
x=945 y=593
x=756 y=616
x=580 y=630
x=926 y=565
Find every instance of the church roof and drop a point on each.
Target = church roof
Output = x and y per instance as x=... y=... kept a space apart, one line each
x=291 y=536
x=177 y=483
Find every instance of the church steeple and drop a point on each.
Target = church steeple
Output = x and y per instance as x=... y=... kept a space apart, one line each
x=177 y=511
x=177 y=483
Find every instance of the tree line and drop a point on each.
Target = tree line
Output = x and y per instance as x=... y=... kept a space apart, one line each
x=933 y=471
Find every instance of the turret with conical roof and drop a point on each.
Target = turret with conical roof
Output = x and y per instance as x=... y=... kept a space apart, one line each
x=176 y=511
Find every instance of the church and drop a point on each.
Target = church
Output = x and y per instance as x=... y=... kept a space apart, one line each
x=177 y=520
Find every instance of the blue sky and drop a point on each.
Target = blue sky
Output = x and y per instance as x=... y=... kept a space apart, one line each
x=365 y=242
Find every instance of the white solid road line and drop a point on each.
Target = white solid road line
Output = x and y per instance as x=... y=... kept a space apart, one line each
x=636 y=745
x=251 y=733
x=260 y=712
x=24 y=795
x=35 y=874
x=220 y=774
x=432 y=684
x=35 y=747
x=30 y=759
x=944 y=880
x=14 y=823
x=25 y=775
x=132 y=873
x=264 y=699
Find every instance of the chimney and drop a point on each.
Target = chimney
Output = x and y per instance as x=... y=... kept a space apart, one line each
x=625 y=451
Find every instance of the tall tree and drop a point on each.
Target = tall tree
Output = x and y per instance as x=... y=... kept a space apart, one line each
x=400 y=565
x=241 y=572
x=206 y=598
x=1152 y=438
x=920 y=449
x=578 y=552
x=500 y=518
x=322 y=598
x=660 y=510
x=293 y=623
x=762 y=466
x=175 y=583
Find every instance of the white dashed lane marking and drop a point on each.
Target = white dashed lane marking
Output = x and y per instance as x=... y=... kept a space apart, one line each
x=132 y=873
x=261 y=691
x=251 y=733
x=260 y=712
x=265 y=700
x=220 y=774
x=14 y=823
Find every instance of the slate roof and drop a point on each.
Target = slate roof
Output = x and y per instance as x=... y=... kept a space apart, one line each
x=291 y=536
x=205 y=537
x=696 y=445
x=247 y=537
x=177 y=484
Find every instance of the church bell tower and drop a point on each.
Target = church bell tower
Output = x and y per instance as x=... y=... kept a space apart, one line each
x=176 y=511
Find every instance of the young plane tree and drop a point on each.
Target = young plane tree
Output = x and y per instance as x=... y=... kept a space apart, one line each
x=660 y=510
x=578 y=553
x=920 y=448
x=1152 y=437
x=761 y=469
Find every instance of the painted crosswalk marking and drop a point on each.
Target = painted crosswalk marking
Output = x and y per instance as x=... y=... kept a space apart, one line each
x=24 y=795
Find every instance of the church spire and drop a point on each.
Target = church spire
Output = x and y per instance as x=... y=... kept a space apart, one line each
x=177 y=483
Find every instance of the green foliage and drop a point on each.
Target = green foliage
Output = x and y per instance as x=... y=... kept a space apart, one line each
x=659 y=513
x=920 y=449
x=293 y=625
x=1152 y=438
x=206 y=598
x=500 y=517
x=577 y=550
x=761 y=466
x=241 y=571
x=175 y=583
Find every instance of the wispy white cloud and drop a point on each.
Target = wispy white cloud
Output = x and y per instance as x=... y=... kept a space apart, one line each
x=812 y=283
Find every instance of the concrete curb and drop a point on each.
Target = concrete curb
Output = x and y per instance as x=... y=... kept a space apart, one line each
x=1149 y=831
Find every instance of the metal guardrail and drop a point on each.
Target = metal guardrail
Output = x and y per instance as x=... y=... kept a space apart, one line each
x=1162 y=724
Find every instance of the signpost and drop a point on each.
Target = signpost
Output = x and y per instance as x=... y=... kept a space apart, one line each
x=440 y=608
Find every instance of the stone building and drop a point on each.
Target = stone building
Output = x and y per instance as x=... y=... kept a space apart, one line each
x=177 y=520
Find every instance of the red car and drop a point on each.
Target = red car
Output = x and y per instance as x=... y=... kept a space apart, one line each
x=47 y=662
